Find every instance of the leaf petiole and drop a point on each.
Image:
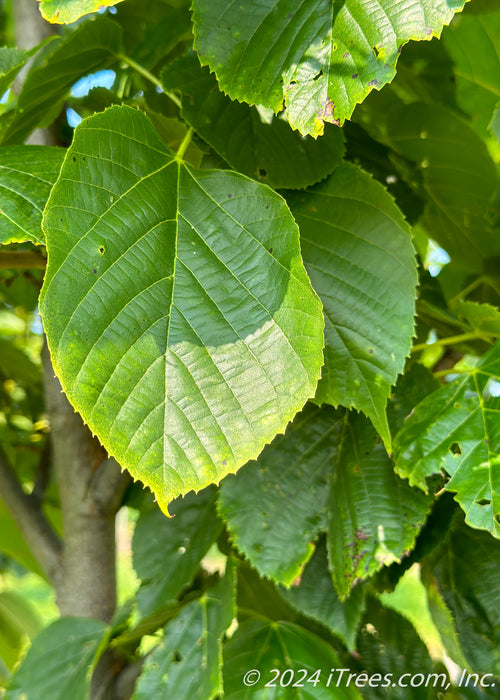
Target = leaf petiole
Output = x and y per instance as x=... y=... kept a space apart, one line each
x=184 y=144
x=149 y=76
x=452 y=340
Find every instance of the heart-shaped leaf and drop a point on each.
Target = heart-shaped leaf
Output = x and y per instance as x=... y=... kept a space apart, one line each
x=314 y=59
x=179 y=315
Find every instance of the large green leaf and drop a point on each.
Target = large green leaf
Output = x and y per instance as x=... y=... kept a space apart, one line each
x=27 y=174
x=12 y=60
x=92 y=46
x=358 y=252
x=59 y=662
x=465 y=569
x=67 y=11
x=179 y=316
x=316 y=59
x=187 y=664
x=459 y=179
x=316 y=597
x=251 y=140
x=456 y=430
x=306 y=664
x=167 y=552
x=374 y=516
x=276 y=506
x=473 y=42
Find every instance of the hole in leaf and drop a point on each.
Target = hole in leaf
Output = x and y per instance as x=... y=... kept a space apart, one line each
x=317 y=77
x=262 y=172
x=484 y=502
x=178 y=656
x=376 y=51
x=455 y=448
x=102 y=250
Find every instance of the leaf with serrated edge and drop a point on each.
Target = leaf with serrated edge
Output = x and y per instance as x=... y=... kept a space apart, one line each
x=277 y=505
x=316 y=59
x=187 y=663
x=374 y=516
x=67 y=11
x=316 y=597
x=456 y=430
x=179 y=315
x=358 y=252
x=259 y=145
x=27 y=174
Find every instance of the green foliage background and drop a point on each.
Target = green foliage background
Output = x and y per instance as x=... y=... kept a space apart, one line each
x=272 y=293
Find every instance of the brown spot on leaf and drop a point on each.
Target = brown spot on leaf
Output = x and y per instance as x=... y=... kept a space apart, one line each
x=360 y=535
x=327 y=110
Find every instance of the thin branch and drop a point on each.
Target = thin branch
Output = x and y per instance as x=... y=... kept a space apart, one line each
x=16 y=259
x=28 y=516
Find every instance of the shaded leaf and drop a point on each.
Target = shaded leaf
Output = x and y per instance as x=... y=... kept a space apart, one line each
x=316 y=597
x=275 y=506
x=67 y=11
x=167 y=552
x=59 y=662
x=18 y=622
x=264 y=645
x=455 y=430
x=92 y=46
x=258 y=596
x=389 y=645
x=480 y=318
x=459 y=179
x=465 y=569
x=186 y=333
x=494 y=125
x=12 y=542
x=27 y=174
x=358 y=252
x=12 y=60
x=473 y=42
x=187 y=664
x=374 y=516
x=250 y=140
x=316 y=60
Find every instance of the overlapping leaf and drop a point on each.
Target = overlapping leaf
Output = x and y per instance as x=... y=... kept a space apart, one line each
x=389 y=645
x=251 y=141
x=93 y=45
x=465 y=569
x=13 y=60
x=316 y=59
x=67 y=11
x=277 y=505
x=456 y=430
x=167 y=552
x=27 y=174
x=459 y=179
x=187 y=664
x=374 y=516
x=59 y=662
x=473 y=41
x=179 y=316
x=316 y=597
x=265 y=645
x=358 y=252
